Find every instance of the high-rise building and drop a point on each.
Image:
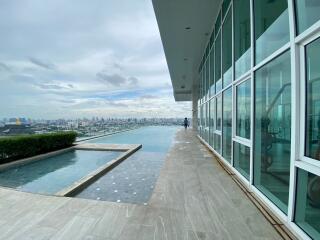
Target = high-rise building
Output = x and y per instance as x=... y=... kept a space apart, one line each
x=251 y=69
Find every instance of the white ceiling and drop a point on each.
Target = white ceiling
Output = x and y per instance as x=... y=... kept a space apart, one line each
x=184 y=48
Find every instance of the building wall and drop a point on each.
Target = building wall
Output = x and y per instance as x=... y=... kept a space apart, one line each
x=259 y=103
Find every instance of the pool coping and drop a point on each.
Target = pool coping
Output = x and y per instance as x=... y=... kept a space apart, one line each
x=85 y=181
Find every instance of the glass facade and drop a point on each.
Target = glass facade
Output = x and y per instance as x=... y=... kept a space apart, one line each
x=262 y=95
x=313 y=100
x=227 y=124
x=217 y=60
x=242 y=40
x=243 y=109
x=227 y=49
x=307 y=214
x=219 y=112
x=273 y=130
x=271 y=27
x=241 y=158
x=307 y=13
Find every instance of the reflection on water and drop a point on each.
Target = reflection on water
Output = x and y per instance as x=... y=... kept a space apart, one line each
x=134 y=179
x=52 y=174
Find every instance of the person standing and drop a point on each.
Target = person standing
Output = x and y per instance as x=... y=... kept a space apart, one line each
x=186 y=123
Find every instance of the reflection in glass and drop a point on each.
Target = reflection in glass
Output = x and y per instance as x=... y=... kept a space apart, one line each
x=218 y=112
x=217 y=143
x=313 y=100
x=242 y=40
x=212 y=110
x=273 y=130
x=202 y=120
x=307 y=209
x=206 y=107
x=271 y=27
x=241 y=159
x=227 y=124
x=218 y=23
x=243 y=110
x=218 y=63
x=199 y=118
x=212 y=86
x=307 y=13
x=225 y=6
x=208 y=83
x=227 y=50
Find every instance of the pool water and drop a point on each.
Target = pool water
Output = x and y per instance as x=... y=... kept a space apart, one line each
x=50 y=175
x=134 y=179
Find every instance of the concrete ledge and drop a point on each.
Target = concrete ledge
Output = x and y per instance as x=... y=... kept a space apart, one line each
x=106 y=147
x=93 y=176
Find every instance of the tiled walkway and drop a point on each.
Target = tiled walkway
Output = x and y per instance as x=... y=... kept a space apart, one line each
x=194 y=199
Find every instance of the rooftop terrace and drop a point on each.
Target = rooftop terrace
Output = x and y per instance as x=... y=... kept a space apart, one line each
x=194 y=198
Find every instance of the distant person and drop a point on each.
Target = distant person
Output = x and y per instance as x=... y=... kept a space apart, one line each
x=186 y=123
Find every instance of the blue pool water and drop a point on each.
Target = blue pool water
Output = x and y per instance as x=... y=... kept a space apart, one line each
x=134 y=179
x=52 y=174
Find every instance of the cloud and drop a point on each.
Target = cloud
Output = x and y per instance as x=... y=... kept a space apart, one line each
x=55 y=85
x=41 y=63
x=89 y=58
x=117 y=80
x=4 y=67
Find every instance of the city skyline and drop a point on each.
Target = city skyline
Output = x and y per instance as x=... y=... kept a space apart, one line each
x=108 y=61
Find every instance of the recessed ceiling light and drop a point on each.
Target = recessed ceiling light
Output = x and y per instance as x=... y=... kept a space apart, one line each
x=188 y=28
x=185 y=59
x=182 y=86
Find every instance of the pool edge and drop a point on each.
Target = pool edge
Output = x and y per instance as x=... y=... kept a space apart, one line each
x=79 y=185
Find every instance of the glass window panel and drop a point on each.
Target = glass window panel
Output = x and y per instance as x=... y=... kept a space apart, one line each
x=202 y=85
x=313 y=100
x=307 y=13
x=307 y=208
x=218 y=23
x=273 y=130
x=271 y=27
x=199 y=120
x=212 y=111
x=212 y=38
x=218 y=112
x=225 y=6
x=212 y=88
x=207 y=121
x=227 y=50
x=218 y=63
x=242 y=42
x=217 y=143
x=243 y=110
x=227 y=124
x=241 y=159
x=208 y=78
x=204 y=82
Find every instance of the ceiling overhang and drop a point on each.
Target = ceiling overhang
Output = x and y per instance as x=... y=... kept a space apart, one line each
x=185 y=28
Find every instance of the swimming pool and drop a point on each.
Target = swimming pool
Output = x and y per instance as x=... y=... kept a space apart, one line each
x=52 y=174
x=134 y=179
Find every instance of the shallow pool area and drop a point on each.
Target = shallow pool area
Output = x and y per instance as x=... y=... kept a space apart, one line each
x=134 y=179
x=52 y=174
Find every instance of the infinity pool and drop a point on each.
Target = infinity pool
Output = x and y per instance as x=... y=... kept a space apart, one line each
x=134 y=179
x=50 y=175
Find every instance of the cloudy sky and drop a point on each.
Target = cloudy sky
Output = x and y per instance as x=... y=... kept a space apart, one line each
x=80 y=58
